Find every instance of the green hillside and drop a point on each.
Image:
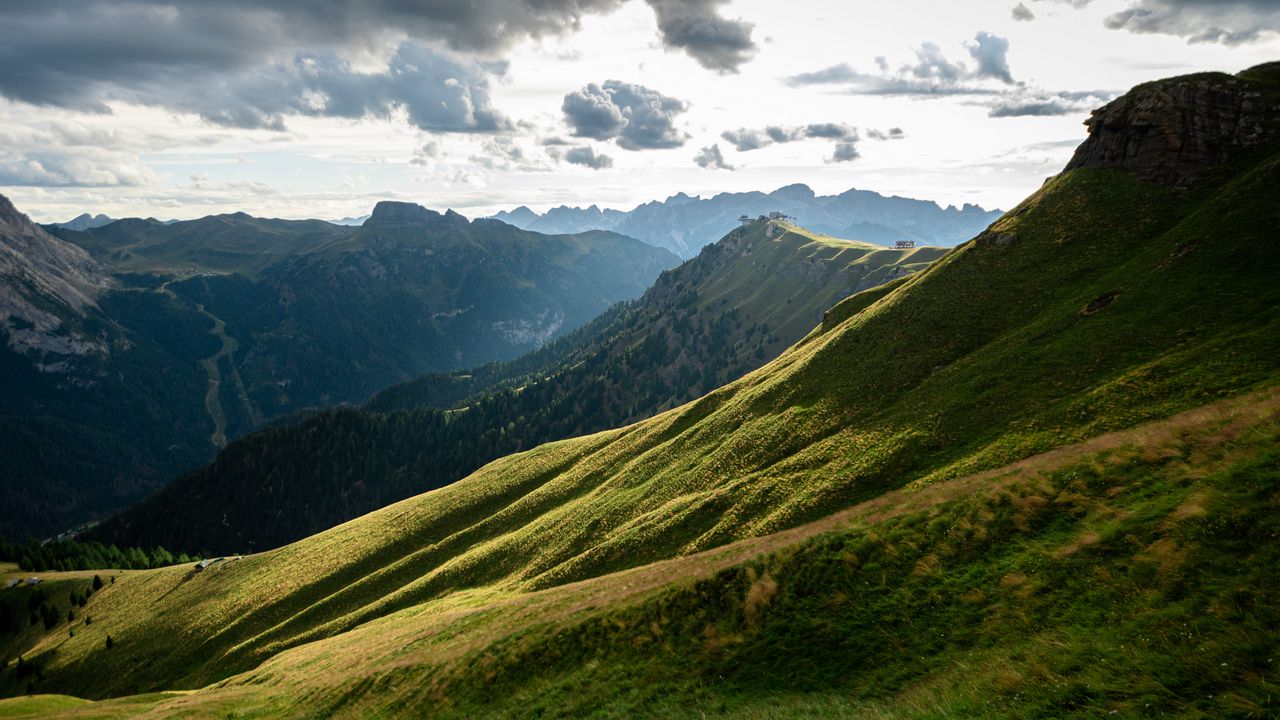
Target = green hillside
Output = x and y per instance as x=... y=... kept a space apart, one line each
x=666 y=568
x=215 y=327
x=233 y=243
x=709 y=321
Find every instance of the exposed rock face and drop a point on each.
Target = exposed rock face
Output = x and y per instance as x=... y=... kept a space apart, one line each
x=1173 y=131
x=402 y=214
x=42 y=279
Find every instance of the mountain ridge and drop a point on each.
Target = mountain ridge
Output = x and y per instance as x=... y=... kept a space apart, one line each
x=684 y=224
x=733 y=308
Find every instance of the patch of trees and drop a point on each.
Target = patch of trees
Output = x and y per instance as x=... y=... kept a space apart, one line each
x=63 y=555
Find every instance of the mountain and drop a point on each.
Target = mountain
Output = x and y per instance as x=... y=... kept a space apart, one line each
x=43 y=283
x=214 y=327
x=1036 y=479
x=684 y=224
x=733 y=308
x=85 y=221
x=351 y=220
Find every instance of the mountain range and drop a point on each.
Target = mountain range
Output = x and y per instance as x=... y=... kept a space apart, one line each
x=685 y=224
x=1036 y=479
x=714 y=318
x=85 y=221
x=135 y=350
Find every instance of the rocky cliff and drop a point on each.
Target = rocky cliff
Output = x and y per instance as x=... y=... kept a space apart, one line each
x=43 y=280
x=1173 y=131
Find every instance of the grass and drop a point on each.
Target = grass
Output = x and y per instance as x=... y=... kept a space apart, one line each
x=973 y=597
x=670 y=567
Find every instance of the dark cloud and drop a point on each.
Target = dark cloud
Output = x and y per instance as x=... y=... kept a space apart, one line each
x=695 y=27
x=588 y=157
x=637 y=117
x=1229 y=22
x=437 y=91
x=931 y=73
x=845 y=152
x=711 y=158
x=249 y=64
x=1022 y=13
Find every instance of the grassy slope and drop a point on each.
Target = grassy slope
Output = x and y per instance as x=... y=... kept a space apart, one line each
x=979 y=596
x=980 y=360
x=235 y=243
x=706 y=323
x=990 y=355
x=779 y=277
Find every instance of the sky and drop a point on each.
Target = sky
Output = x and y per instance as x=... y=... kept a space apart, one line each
x=321 y=108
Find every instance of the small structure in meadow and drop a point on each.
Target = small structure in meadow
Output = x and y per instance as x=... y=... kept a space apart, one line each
x=13 y=582
x=33 y=581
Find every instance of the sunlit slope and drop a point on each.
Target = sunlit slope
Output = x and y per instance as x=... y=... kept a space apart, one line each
x=708 y=322
x=1128 y=574
x=1001 y=349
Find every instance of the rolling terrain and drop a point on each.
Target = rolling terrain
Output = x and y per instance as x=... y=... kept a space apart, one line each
x=178 y=337
x=740 y=303
x=1036 y=479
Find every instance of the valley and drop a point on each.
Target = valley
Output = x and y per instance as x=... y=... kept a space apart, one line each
x=731 y=454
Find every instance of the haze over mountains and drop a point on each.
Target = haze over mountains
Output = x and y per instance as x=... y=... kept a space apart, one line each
x=1037 y=478
x=139 y=358
x=736 y=306
x=684 y=224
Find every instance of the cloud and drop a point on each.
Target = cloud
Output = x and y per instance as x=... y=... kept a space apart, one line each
x=1032 y=102
x=637 y=117
x=745 y=139
x=835 y=74
x=68 y=155
x=695 y=27
x=588 y=157
x=1022 y=13
x=1229 y=22
x=894 y=133
x=250 y=64
x=845 y=152
x=846 y=137
x=711 y=158
x=930 y=73
x=991 y=53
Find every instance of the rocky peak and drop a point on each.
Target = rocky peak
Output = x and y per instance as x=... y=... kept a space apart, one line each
x=1173 y=131
x=389 y=213
x=39 y=272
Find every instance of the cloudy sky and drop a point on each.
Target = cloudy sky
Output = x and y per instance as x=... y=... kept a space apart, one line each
x=320 y=108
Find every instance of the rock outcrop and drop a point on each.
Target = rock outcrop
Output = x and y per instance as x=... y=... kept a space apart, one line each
x=43 y=280
x=388 y=213
x=1174 y=131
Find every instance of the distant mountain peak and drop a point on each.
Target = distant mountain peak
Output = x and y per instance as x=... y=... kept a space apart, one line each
x=1173 y=131
x=794 y=190
x=392 y=213
x=85 y=221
